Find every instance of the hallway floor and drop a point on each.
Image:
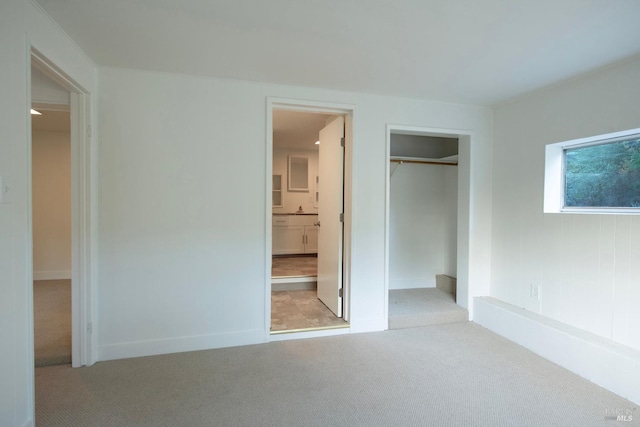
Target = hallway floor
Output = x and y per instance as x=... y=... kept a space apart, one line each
x=52 y=322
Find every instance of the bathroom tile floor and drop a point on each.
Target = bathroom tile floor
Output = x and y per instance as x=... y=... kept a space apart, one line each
x=295 y=310
x=294 y=266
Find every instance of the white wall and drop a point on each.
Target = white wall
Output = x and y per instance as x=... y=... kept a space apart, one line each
x=422 y=238
x=45 y=90
x=585 y=265
x=22 y=22
x=51 y=205
x=182 y=170
x=451 y=221
x=292 y=200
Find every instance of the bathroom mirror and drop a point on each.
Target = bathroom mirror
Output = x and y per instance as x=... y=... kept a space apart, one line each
x=298 y=173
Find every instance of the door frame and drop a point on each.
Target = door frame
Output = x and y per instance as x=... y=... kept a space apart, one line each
x=463 y=297
x=349 y=112
x=83 y=211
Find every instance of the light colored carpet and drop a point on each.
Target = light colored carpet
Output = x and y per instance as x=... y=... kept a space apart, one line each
x=301 y=309
x=447 y=375
x=409 y=308
x=52 y=322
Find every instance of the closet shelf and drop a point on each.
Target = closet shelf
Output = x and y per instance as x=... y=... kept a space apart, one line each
x=448 y=161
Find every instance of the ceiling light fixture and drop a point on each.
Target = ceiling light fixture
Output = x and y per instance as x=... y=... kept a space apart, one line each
x=35 y=113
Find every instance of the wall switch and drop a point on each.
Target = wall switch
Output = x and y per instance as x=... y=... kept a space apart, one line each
x=535 y=291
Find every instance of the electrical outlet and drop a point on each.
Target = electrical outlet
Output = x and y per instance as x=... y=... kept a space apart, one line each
x=535 y=291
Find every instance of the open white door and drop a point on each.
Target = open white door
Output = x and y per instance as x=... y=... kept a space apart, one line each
x=330 y=209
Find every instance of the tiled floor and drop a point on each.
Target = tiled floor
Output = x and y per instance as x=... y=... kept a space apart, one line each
x=298 y=309
x=294 y=266
x=295 y=310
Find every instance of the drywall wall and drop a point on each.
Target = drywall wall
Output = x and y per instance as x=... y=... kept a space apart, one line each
x=45 y=90
x=22 y=24
x=292 y=200
x=433 y=147
x=421 y=236
x=451 y=221
x=584 y=265
x=183 y=196
x=51 y=205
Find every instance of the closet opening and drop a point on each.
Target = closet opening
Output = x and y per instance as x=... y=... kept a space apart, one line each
x=422 y=229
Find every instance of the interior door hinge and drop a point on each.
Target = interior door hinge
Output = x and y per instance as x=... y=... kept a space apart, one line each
x=90 y=327
x=342 y=141
x=340 y=293
x=341 y=217
x=88 y=131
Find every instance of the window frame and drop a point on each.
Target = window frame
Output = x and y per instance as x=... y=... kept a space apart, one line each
x=555 y=182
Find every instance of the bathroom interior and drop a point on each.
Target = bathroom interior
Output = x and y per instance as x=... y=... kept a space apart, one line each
x=295 y=201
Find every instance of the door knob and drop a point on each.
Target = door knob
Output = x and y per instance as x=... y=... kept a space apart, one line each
x=317 y=223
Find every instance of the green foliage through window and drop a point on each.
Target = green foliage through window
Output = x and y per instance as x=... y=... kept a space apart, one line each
x=604 y=175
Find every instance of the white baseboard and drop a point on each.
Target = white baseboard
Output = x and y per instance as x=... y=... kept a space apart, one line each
x=52 y=275
x=309 y=334
x=411 y=283
x=368 y=325
x=179 y=345
x=610 y=365
x=294 y=283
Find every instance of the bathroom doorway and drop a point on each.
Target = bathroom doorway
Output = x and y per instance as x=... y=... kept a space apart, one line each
x=299 y=300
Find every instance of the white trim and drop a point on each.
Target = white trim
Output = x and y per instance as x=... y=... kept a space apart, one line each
x=294 y=286
x=319 y=107
x=465 y=290
x=369 y=325
x=178 y=345
x=83 y=212
x=554 y=174
x=602 y=361
x=52 y=275
x=309 y=334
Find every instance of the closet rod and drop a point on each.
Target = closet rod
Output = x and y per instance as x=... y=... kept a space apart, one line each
x=424 y=162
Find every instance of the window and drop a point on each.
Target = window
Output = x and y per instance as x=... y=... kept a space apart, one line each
x=594 y=175
x=276 y=192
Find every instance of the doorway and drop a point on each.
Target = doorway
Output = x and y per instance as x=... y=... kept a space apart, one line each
x=306 y=202
x=422 y=230
x=51 y=220
x=78 y=273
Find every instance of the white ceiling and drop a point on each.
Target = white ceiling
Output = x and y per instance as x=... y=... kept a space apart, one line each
x=469 y=51
x=297 y=130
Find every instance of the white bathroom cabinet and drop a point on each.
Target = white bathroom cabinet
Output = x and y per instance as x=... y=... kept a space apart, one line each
x=294 y=234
